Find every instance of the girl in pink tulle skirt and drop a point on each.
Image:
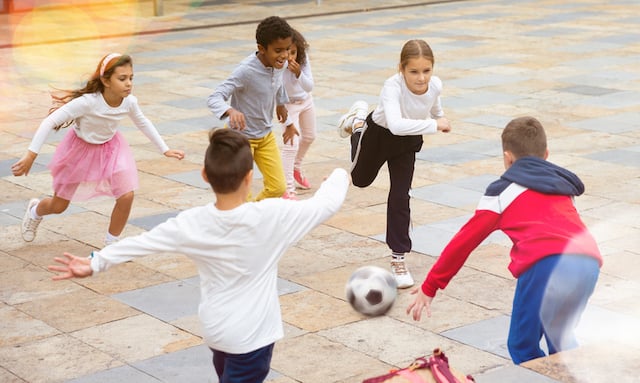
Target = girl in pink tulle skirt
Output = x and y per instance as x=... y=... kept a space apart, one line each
x=93 y=158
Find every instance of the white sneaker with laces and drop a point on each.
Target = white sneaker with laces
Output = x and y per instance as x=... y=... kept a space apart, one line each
x=359 y=111
x=30 y=225
x=401 y=274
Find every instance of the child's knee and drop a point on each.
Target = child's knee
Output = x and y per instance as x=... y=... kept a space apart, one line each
x=126 y=198
x=359 y=181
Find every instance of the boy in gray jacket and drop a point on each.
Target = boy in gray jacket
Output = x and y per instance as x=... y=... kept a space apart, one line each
x=247 y=100
x=236 y=246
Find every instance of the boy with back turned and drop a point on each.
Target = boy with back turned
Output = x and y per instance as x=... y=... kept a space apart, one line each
x=554 y=257
x=236 y=246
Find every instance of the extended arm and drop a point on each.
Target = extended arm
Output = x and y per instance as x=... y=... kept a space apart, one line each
x=71 y=267
x=453 y=257
x=67 y=112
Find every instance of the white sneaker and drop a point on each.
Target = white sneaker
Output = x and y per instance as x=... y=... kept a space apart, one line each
x=30 y=225
x=401 y=274
x=359 y=111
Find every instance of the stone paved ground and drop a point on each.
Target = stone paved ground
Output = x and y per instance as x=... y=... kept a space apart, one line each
x=574 y=64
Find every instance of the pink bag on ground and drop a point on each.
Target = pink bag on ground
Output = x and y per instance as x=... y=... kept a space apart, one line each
x=433 y=369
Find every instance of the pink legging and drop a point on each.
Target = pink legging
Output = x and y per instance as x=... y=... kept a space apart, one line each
x=303 y=115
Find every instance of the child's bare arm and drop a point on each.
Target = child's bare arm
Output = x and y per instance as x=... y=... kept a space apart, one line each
x=72 y=267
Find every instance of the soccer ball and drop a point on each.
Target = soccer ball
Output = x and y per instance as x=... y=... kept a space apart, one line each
x=371 y=290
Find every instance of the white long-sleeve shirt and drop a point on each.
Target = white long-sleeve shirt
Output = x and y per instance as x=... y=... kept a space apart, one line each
x=298 y=88
x=237 y=253
x=95 y=121
x=405 y=113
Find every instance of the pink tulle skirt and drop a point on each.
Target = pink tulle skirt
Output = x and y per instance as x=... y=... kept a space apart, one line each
x=82 y=171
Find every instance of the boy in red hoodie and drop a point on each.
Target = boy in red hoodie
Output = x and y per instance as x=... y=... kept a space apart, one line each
x=554 y=257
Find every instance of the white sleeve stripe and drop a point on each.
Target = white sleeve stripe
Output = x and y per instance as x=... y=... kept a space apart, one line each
x=499 y=203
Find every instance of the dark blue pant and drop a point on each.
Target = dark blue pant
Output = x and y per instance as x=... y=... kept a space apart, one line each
x=369 y=151
x=549 y=300
x=252 y=367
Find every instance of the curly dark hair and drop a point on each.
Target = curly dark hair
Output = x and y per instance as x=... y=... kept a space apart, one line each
x=301 y=46
x=271 y=29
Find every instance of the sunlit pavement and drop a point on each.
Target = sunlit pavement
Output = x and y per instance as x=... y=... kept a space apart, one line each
x=572 y=64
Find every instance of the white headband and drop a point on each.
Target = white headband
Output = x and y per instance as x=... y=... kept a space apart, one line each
x=106 y=60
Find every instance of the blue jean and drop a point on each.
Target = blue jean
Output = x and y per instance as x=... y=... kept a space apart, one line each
x=252 y=367
x=549 y=300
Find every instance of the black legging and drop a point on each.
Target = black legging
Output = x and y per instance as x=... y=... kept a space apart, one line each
x=369 y=151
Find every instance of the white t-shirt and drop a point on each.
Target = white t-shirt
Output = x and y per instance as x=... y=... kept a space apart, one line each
x=95 y=121
x=405 y=113
x=237 y=253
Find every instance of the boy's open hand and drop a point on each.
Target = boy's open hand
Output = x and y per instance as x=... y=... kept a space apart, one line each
x=72 y=267
x=236 y=119
x=282 y=113
x=421 y=302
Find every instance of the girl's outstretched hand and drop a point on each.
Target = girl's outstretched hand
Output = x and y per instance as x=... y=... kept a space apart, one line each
x=24 y=164
x=421 y=302
x=72 y=267
x=179 y=154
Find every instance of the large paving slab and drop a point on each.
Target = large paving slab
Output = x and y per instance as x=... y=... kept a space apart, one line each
x=573 y=64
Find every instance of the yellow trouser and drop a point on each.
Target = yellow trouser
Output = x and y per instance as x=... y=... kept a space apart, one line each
x=267 y=157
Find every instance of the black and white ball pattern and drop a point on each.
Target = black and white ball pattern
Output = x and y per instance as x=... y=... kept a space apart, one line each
x=371 y=290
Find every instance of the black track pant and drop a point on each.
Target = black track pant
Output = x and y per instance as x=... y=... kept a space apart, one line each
x=369 y=151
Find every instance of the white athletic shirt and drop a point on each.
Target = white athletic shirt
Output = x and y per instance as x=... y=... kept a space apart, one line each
x=95 y=121
x=405 y=113
x=237 y=253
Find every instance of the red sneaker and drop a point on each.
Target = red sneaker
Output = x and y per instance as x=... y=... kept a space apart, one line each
x=302 y=181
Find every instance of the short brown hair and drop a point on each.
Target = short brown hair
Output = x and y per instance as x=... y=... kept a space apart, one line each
x=227 y=160
x=525 y=136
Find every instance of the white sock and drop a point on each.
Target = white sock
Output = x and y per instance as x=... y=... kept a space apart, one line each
x=34 y=215
x=112 y=238
x=397 y=256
